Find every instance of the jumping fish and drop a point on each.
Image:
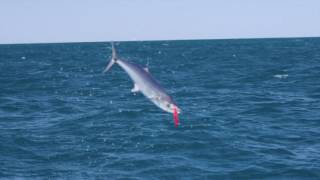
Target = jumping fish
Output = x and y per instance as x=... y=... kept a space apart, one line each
x=146 y=84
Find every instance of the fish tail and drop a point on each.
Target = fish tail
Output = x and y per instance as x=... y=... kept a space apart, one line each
x=113 y=59
x=114 y=53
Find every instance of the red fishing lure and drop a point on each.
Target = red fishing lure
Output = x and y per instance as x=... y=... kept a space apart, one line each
x=175 y=117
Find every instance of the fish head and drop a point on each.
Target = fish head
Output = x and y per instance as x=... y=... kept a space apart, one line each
x=167 y=104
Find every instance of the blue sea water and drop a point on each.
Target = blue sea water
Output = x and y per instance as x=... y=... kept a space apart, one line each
x=251 y=110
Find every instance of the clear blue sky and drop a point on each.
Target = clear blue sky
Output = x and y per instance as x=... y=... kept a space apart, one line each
x=30 y=21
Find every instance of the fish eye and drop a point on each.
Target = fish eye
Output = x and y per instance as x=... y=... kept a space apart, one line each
x=168 y=105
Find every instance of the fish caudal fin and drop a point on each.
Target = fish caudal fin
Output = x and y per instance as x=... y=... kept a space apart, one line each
x=111 y=63
x=113 y=59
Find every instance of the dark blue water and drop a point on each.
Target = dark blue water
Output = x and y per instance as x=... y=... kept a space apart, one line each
x=251 y=110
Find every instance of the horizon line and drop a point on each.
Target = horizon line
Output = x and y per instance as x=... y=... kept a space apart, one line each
x=156 y=40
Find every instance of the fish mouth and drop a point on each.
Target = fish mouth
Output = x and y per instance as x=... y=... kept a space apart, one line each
x=177 y=109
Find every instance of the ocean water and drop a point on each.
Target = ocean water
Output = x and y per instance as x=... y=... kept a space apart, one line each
x=251 y=110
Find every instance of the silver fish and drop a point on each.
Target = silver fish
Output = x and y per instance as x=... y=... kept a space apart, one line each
x=144 y=83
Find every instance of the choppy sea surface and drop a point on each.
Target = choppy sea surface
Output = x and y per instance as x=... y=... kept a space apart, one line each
x=251 y=110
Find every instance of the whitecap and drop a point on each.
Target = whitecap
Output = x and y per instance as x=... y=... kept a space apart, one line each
x=281 y=76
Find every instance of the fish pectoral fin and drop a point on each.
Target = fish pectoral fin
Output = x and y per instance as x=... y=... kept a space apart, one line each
x=135 y=88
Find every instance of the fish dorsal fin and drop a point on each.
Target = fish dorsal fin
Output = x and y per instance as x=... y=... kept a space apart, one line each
x=135 y=88
x=146 y=69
